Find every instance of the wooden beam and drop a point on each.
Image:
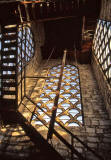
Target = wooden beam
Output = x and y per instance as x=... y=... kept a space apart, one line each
x=27 y=2
x=55 y=18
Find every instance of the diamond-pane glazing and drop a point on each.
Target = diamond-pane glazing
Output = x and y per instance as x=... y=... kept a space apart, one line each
x=25 y=45
x=102 y=47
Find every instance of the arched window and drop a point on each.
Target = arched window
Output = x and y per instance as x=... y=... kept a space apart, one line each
x=25 y=45
x=69 y=111
x=102 y=47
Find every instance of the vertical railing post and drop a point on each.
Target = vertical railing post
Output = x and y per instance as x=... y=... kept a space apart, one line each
x=25 y=64
x=17 y=67
x=21 y=62
x=52 y=121
x=1 y=63
x=72 y=158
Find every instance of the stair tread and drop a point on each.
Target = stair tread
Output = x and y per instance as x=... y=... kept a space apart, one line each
x=6 y=102
x=9 y=37
x=9 y=84
x=7 y=53
x=8 y=30
x=8 y=60
x=12 y=76
x=8 y=68
x=8 y=92
x=12 y=44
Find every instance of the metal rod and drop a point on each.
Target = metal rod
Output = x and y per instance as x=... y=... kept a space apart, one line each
x=33 y=114
x=52 y=121
x=25 y=65
x=1 y=64
x=71 y=149
x=35 y=77
x=21 y=63
x=27 y=13
x=17 y=67
x=20 y=14
x=20 y=81
x=41 y=77
x=83 y=27
x=53 y=49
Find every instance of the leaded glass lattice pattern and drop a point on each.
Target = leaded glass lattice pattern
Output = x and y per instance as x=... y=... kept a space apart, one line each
x=69 y=112
x=25 y=45
x=102 y=47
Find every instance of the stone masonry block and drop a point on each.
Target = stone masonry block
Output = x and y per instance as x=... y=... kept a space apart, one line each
x=90 y=130
x=93 y=139
x=99 y=130
x=95 y=123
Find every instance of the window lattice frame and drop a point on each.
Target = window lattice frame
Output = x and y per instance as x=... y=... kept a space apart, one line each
x=25 y=45
x=102 y=47
x=69 y=112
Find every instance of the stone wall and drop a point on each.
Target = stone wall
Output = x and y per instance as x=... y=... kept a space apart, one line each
x=39 y=37
x=105 y=88
x=33 y=64
x=105 y=10
x=96 y=129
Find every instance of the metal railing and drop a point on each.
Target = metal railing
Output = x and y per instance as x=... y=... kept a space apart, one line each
x=52 y=131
